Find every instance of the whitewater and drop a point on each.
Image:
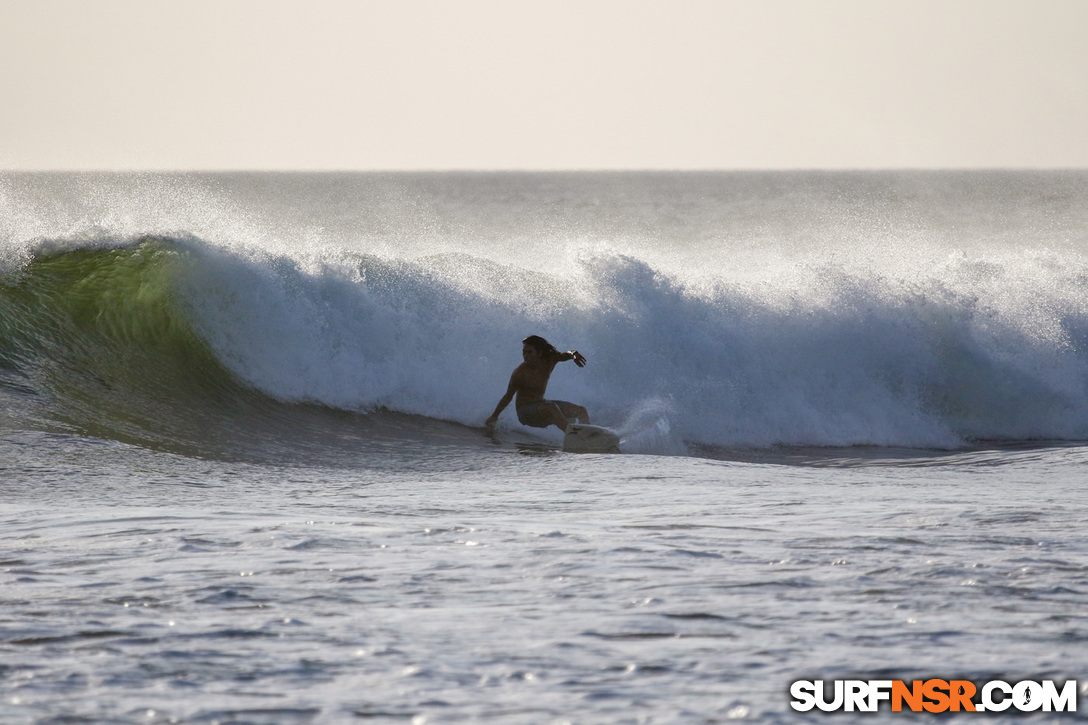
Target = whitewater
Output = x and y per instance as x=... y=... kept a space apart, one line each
x=245 y=476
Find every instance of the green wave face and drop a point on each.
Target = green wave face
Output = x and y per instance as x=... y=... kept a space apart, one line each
x=100 y=342
x=96 y=341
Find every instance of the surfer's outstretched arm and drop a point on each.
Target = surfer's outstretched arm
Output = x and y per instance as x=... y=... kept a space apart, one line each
x=510 y=390
x=578 y=358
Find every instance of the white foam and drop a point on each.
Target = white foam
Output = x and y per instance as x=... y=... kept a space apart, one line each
x=818 y=318
x=833 y=356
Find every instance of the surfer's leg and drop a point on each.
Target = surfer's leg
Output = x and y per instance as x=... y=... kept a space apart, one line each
x=570 y=410
x=538 y=414
x=557 y=415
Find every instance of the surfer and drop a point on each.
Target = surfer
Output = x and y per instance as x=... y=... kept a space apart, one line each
x=529 y=381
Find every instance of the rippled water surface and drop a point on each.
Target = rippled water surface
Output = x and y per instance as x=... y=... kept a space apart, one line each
x=244 y=479
x=531 y=587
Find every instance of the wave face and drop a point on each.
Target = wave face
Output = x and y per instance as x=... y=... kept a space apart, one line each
x=95 y=338
x=150 y=337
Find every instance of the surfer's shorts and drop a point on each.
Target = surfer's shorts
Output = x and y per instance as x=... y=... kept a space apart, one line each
x=538 y=414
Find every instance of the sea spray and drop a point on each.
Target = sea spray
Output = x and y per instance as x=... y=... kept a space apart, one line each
x=844 y=310
x=849 y=357
x=646 y=429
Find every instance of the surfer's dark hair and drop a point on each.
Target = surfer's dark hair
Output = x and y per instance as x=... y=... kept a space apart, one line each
x=542 y=346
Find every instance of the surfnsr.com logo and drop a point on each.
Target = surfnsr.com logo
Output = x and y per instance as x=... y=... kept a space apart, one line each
x=934 y=695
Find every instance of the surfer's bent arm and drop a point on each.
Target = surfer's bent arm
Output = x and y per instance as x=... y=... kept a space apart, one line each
x=578 y=358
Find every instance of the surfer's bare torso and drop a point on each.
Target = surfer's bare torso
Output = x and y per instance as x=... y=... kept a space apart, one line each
x=528 y=384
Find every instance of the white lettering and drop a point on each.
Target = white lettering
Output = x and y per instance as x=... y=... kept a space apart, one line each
x=1027 y=696
x=995 y=696
x=1066 y=701
x=857 y=695
x=824 y=704
x=987 y=698
x=879 y=690
x=804 y=698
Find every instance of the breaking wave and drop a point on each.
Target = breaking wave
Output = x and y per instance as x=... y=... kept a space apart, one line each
x=158 y=337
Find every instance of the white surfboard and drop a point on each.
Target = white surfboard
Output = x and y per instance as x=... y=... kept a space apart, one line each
x=590 y=439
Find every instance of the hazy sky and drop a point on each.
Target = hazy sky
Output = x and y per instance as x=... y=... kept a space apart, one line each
x=555 y=84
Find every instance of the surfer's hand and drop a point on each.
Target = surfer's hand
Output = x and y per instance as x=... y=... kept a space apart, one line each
x=578 y=358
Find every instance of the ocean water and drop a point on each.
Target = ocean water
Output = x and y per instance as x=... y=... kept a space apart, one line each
x=244 y=476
